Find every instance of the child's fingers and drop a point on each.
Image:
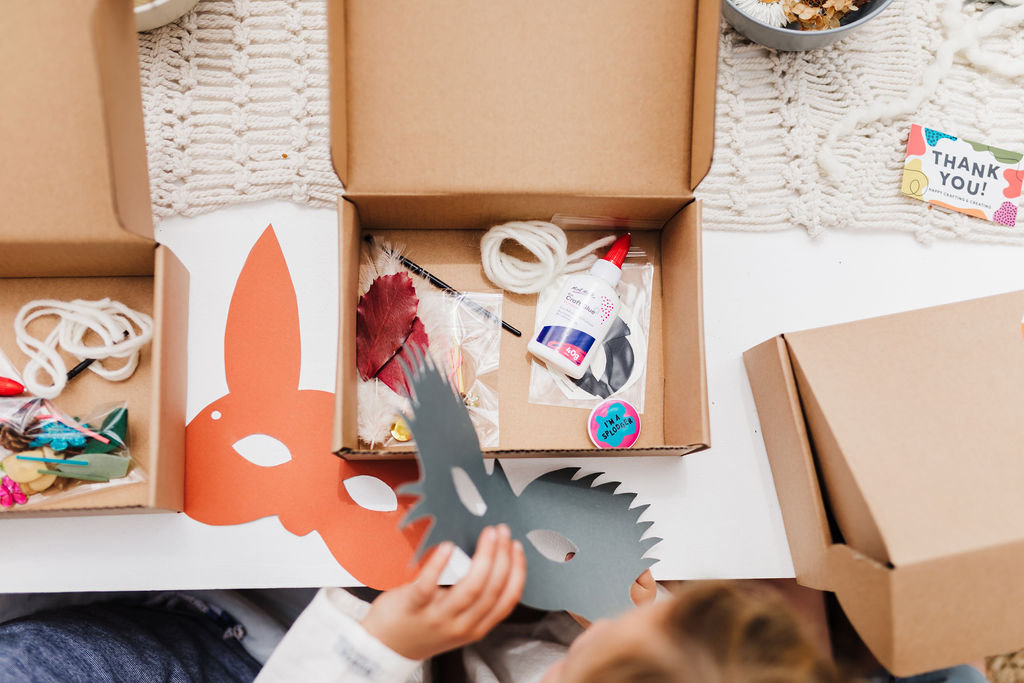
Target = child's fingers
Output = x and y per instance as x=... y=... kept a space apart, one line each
x=467 y=591
x=644 y=589
x=496 y=579
x=511 y=592
x=425 y=583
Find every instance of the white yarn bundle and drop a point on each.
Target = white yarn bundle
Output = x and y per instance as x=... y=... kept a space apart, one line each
x=122 y=333
x=544 y=240
x=964 y=34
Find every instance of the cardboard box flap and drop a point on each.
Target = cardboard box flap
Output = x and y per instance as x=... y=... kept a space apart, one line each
x=922 y=409
x=705 y=83
x=74 y=173
x=574 y=98
x=792 y=464
x=910 y=631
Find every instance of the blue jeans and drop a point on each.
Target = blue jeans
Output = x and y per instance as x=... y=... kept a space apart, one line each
x=171 y=639
x=956 y=674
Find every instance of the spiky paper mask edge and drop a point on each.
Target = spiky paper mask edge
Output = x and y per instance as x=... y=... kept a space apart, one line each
x=605 y=530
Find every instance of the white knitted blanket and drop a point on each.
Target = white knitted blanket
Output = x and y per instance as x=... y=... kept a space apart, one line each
x=235 y=97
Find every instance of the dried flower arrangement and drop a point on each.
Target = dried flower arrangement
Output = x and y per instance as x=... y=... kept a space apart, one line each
x=808 y=15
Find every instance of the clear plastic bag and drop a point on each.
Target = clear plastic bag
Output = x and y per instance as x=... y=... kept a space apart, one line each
x=619 y=367
x=463 y=340
x=473 y=343
x=47 y=455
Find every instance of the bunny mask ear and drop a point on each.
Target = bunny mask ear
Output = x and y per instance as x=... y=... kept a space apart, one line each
x=306 y=488
x=262 y=348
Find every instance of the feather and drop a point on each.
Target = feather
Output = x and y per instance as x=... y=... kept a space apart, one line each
x=378 y=259
x=378 y=408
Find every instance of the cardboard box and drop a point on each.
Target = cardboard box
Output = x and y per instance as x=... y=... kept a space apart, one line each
x=895 y=447
x=78 y=224
x=451 y=116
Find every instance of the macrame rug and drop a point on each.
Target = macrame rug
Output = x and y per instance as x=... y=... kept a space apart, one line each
x=236 y=109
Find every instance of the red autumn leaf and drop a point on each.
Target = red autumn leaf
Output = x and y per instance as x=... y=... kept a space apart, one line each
x=384 y=319
x=391 y=374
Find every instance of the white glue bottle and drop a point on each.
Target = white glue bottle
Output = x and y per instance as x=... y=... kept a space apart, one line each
x=575 y=325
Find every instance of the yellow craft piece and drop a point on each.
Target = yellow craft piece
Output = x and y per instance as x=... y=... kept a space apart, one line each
x=914 y=180
x=400 y=431
x=22 y=471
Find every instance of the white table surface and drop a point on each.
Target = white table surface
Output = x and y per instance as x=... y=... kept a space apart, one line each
x=716 y=510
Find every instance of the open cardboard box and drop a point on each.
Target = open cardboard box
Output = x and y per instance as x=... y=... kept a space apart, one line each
x=895 y=444
x=449 y=117
x=78 y=224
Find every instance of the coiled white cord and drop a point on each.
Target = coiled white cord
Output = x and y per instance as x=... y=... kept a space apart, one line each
x=122 y=333
x=544 y=240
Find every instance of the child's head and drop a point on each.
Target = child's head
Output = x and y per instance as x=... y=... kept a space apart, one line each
x=710 y=633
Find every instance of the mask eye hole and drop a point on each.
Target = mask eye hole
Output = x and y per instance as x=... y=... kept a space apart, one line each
x=262 y=450
x=371 y=493
x=468 y=493
x=552 y=545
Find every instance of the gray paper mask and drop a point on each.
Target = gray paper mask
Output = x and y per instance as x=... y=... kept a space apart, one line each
x=605 y=531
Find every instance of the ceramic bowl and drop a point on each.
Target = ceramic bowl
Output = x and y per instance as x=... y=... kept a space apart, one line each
x=151 y=15
x=793 y=40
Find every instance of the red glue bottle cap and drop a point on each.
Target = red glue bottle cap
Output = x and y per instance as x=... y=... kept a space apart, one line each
x=9 y=387
x=609 y=268
x=617 y=253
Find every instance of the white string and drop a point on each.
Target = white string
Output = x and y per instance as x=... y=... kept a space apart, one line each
x=122 y=333
x=963 y=34
x=547 y=242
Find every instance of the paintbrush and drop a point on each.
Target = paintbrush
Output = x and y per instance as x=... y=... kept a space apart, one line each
x=445 y=287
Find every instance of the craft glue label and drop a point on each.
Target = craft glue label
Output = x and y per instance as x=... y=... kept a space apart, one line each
x=575 y=322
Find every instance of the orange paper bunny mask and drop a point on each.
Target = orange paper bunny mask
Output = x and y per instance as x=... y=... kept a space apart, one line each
x=306 y=490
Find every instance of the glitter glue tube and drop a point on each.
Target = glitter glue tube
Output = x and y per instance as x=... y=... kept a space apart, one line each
x=581 y=315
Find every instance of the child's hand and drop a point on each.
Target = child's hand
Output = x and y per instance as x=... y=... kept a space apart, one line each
x=642 y=592
x=644 y=589
x=421 y=619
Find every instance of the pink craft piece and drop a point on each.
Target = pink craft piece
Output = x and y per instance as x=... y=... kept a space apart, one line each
x=915 y=143
x=11 y=493
x=1014 y=178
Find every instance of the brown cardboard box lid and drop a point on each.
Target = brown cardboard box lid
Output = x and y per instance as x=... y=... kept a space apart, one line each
x=460 y=97
x=923 y=409
x=73 y=166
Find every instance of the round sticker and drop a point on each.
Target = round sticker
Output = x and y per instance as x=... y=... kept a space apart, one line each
x=614 y=424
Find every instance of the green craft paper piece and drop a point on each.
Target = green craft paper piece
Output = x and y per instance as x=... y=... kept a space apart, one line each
x=105 y=465
x=115 y=428
x=1003 y=156
x=73 y=475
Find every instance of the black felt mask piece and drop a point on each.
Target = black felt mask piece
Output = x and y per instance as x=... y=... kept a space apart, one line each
x=618 y=366
x=605 y=532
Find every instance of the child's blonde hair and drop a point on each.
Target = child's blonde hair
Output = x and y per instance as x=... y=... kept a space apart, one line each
x=726 y=633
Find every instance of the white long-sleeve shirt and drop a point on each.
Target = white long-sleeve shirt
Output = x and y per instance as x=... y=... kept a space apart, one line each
x=327 y=643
